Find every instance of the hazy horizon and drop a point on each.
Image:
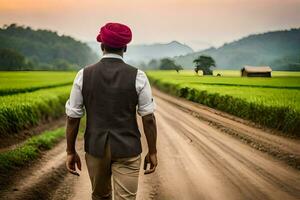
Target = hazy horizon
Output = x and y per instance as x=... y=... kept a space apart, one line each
x=197 y=23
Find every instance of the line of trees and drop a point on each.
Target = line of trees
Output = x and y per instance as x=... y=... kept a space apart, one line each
x=203 y=63
x=163 y=64
x=23 y=48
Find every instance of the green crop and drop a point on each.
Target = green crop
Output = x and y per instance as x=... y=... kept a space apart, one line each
x=30 y=150
x=191 y=77
x=24 y=110
x=271 y=102
x=20 y=82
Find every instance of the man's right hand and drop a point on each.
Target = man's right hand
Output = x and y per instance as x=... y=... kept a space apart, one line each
x=152 y=160
x=150 y=131
x=72 y=160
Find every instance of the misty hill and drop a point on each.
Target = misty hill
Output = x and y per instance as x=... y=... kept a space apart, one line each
x=45 y=49
x=144 y=53
x=279 y=49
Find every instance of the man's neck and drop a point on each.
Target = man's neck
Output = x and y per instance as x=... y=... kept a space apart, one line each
x=119 y=53
x=112 y=55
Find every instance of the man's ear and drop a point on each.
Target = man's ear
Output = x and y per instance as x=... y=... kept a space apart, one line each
x=125 y=48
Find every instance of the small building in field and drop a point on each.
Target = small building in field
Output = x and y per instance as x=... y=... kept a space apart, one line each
x=256 y=71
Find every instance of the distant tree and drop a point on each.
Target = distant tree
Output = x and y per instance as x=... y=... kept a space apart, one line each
x=11 y=60
x=153 y=64
x=288 y=62
x=178 y=68
x=204 y=63
x=168 y=64
x=62 y=64
x=143 y=65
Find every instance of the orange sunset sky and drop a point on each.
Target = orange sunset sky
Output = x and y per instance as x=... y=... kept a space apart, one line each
x=198 y=23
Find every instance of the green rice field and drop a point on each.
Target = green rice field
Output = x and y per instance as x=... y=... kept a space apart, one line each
x=23 y=110
x=20 y=82
x=272 y=102
x=27 y=98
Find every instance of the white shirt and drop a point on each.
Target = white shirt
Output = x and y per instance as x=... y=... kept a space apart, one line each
x=146 y=104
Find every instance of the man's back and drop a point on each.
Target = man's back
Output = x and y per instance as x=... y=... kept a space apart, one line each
x=110 y=98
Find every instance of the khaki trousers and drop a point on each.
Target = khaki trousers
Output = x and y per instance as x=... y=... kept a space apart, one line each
x=124 y=173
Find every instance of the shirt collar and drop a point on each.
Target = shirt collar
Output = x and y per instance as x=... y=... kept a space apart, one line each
x=112 y=55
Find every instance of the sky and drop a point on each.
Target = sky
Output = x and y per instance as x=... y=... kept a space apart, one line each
x=198 y=23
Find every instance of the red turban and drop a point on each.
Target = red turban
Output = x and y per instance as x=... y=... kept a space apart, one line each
x=115 y=35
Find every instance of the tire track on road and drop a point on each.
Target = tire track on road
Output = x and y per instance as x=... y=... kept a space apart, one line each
x=286 y=181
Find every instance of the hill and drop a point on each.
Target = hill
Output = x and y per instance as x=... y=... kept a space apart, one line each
x=279 y=49
x=143 y=53
x=45 y=49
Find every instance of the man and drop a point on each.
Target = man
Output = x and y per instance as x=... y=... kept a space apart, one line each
x=110 y=91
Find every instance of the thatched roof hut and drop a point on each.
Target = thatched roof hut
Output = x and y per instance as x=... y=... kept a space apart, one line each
x=256 y=71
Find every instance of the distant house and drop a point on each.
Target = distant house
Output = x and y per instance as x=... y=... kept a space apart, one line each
x=261 y=71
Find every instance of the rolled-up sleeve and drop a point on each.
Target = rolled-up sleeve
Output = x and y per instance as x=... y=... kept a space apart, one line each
x=146 y=104
x=74 y=105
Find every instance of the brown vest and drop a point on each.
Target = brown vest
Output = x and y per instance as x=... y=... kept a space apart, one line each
x=110 y=100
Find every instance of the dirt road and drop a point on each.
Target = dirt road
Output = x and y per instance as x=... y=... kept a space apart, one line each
x=198 y=160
